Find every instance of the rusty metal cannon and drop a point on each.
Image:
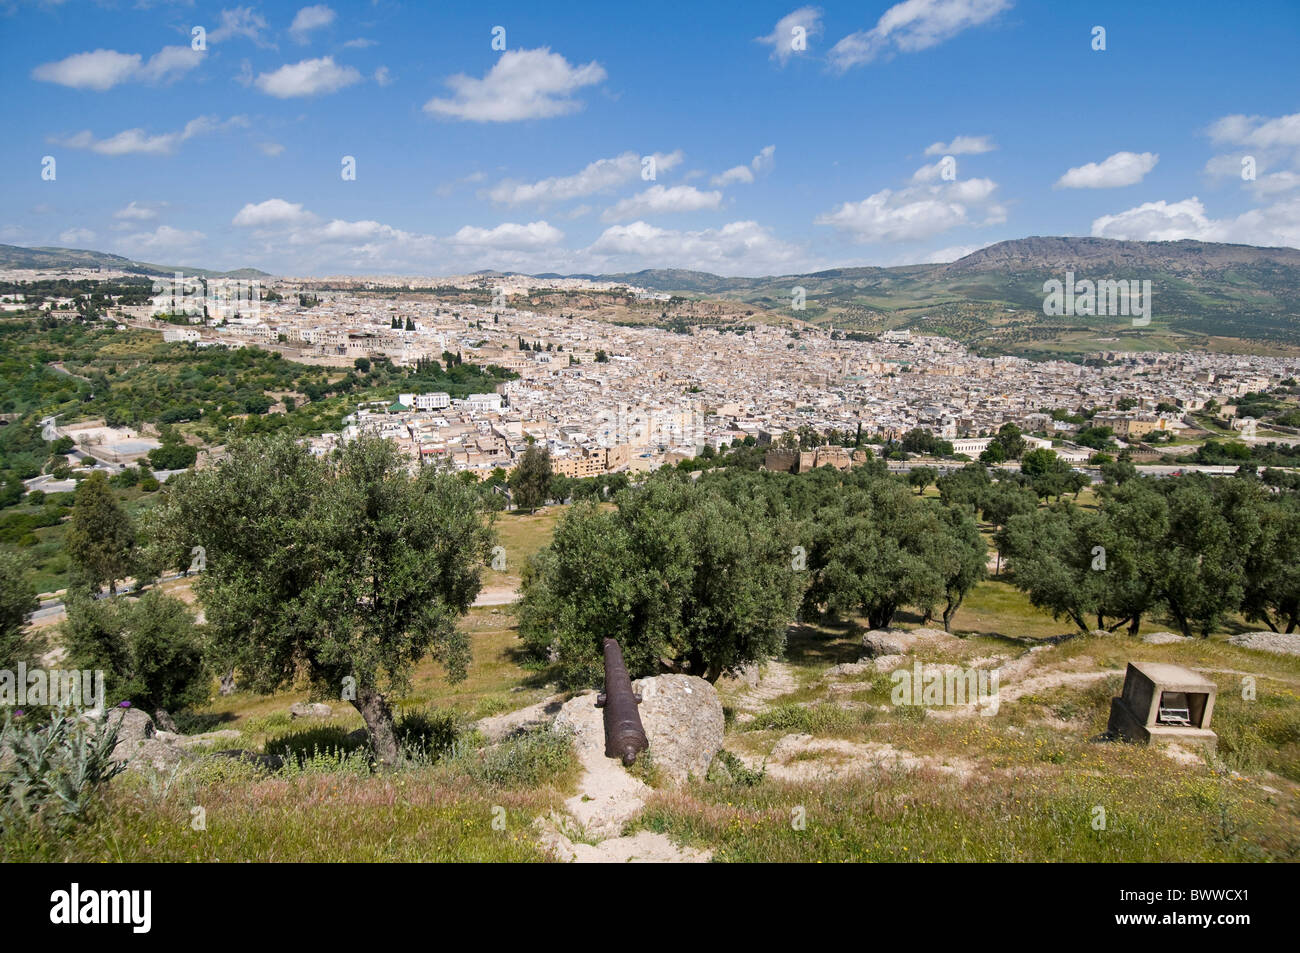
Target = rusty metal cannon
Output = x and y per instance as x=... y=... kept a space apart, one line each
x=624 y=736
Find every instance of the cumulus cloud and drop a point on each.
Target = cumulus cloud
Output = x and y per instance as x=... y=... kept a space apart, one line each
x=137 y=141
x=745 y=174
x=135 y=212
x=658 y=200
x=1277 y=224
x=1123 y=168
x=511 y=235
x=307 y=78
x=240 y=21
x=917 y=212
x=961 y=145
x=598 y=176
x=1257 y=131
x=522 y=84
x=912 y=26
x=783 y=40
x=101 y=70
x=309 y=19
x=736 y=248
x=164 y=238
x=271 y=213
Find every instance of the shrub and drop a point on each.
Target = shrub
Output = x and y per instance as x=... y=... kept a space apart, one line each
x=807 y=719
x=53 y=771
x=427 y=735
x=537 y=757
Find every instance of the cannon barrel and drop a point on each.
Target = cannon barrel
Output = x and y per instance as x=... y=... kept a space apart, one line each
x=624 y=736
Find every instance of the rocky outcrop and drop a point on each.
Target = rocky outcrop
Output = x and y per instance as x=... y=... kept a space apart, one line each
x=682 y=716
x=310 y=710
x=880 y=642
x=1277 y=642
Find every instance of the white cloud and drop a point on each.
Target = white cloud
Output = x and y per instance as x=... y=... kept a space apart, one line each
x=917 y=212
x=1277 y=224
x=272 y=149
x=961 y=145
x=1123 y=168
x=745 y=174
x=137 y=141
x=162 y=239
x=134 y=211
x=1276 y=182
x=240 y=21
x=101 y=70
x=77 y=236
x=782 y=37
x=658 y=200
x=382 y=76
x=307 y=78
x=169 y=63
x=308 y=19
x=737 y=248
x=510 y=235
x=942 y=256
x=1257 y=131
x=522 y=84
x=271 y=213
x=911 y=26
x=598 y=176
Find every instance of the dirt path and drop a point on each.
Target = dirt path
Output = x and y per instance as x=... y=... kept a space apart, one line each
x=607 y=797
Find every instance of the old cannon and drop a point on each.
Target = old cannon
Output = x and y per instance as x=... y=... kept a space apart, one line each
x=624 y=736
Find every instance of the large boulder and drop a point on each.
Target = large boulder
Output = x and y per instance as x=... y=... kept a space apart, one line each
x=139 y=744
x=683 y=720
x=310 y=710
x=879 y=642
x=1280 y=643
x=1164 y=638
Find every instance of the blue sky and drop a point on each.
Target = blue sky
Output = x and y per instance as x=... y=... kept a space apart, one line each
x=770 y=155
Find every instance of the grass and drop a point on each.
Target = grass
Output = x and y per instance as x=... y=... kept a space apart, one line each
x=1031 y=778
x=922 y=816
x=417 y=816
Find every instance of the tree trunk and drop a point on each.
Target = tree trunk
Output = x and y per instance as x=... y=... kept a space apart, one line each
x=1135 y=625
x=379 y=722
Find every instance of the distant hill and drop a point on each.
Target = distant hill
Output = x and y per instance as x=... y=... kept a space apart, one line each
x=992 y=299
x=1182 y=257
x=49 y=259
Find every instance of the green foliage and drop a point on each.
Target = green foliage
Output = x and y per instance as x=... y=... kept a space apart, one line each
x=530 y=482
x=101 y=538
x=150 y=650
x=679 y=574
x=822 y=719
x=17 y=602
x=1193 y=548
x=51 y=773
x=349 y=567
x=532 y=759
x=427 y=735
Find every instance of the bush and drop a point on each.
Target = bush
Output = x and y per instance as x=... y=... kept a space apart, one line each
x=537 y=757
x=53 y=771
x=324 y=749
x=427 y=735
x=806 y=719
